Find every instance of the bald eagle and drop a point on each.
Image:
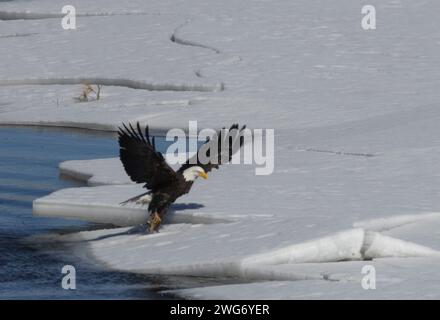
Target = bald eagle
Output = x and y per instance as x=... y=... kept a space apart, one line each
x=144 y=164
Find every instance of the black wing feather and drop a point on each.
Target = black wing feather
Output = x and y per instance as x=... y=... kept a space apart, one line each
x=141 y=161
x=221 y=156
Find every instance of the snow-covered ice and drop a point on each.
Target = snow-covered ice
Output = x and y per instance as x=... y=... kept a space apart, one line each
x=394 y=280
x=96 y=172
x=355 y=114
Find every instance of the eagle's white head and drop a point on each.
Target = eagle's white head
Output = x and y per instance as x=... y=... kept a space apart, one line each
x=192 y=173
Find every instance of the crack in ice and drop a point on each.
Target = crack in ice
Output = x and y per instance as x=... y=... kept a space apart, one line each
x=176 y=39
x=17 y=15
x=120 y=82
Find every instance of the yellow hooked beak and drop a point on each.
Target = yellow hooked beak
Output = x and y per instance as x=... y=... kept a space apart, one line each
x=203 y=175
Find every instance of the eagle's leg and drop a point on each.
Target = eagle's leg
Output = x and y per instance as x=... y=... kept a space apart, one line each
x=154 y=221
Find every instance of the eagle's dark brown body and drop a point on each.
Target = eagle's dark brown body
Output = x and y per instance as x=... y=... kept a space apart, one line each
x=163 y=198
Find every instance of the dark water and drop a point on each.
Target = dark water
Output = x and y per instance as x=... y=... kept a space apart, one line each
x=29 y=159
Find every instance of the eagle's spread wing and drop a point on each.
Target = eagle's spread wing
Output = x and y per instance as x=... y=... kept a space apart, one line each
x=141 y=160
x=220 y=154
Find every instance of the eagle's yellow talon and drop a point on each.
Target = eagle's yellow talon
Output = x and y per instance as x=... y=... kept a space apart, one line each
x=154 y=221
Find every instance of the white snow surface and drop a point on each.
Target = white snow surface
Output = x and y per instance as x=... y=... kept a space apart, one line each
x=355 y=113
x=96 y=172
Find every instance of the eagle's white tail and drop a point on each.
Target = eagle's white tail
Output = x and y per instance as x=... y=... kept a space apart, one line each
x=143 y=198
